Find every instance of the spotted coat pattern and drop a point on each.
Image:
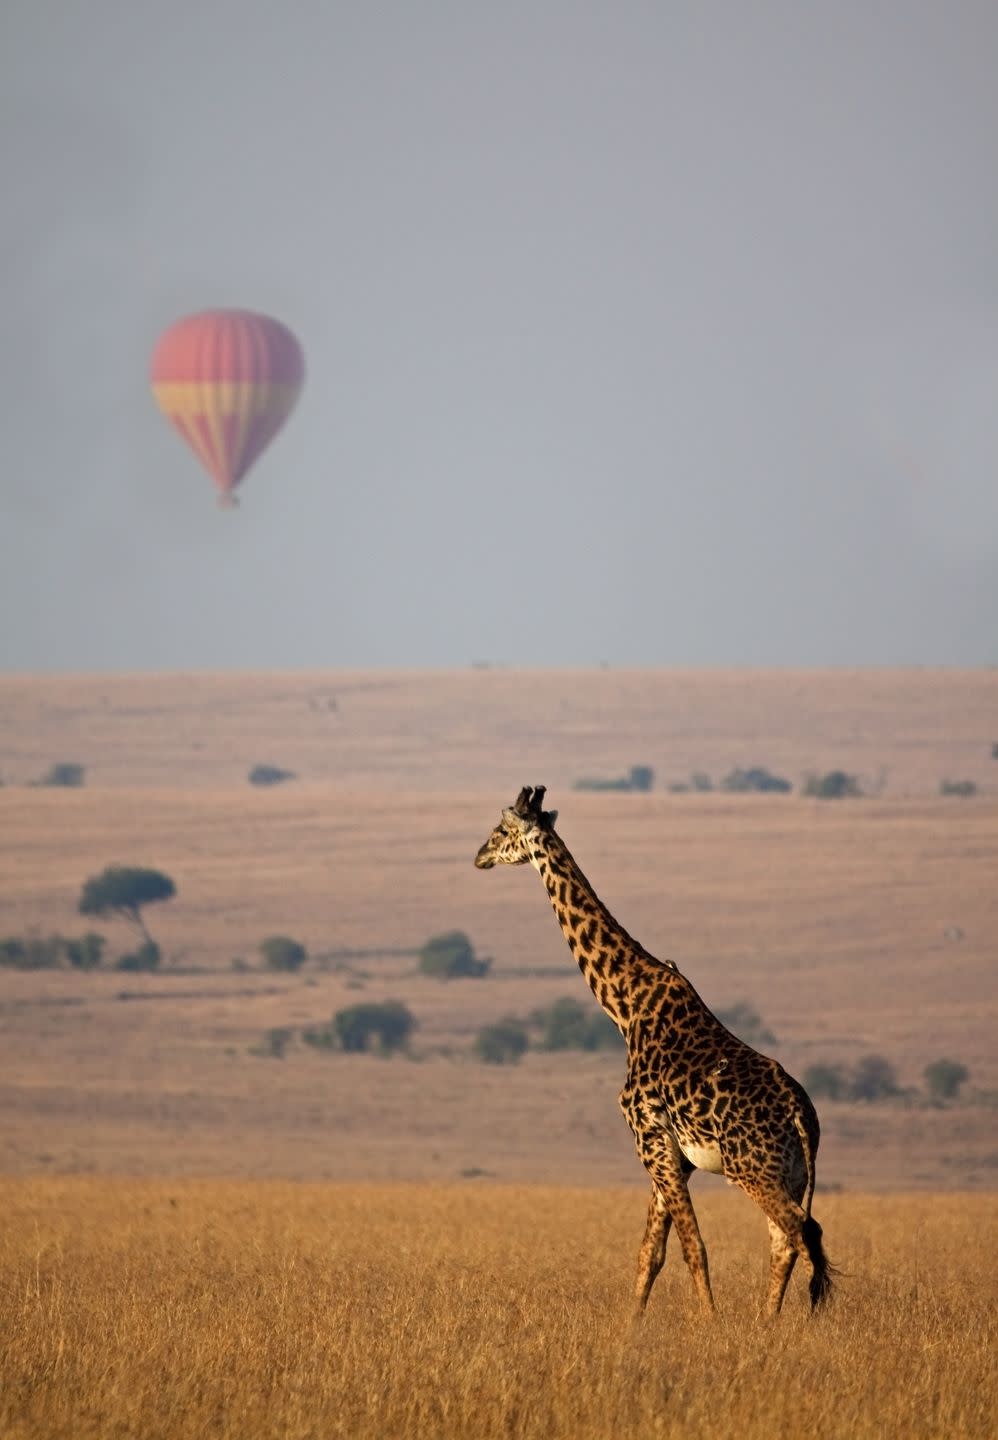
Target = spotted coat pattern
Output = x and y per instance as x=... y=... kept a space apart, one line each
x=695 y=1095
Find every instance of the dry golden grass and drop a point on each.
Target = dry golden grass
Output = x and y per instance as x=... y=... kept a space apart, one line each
x=171 y=1310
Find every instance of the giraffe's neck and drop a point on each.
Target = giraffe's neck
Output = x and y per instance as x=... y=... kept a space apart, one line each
x=619 y=971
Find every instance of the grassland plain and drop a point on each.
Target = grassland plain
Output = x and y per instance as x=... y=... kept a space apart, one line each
x=251 y=1306
x=852 y=927
x=184 y=1310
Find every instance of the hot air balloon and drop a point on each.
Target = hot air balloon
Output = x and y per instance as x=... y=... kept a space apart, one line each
x=227 y=380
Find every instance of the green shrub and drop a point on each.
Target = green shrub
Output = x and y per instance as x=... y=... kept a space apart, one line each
x=34 y=952
x=874 y=1078
x=567 y=1024
x=964 y=788
x=503 y=1043
x=826 y=1082
x=836 y=785
x=639 y=778
x=385 y=1027
x=86 y=952
x=451 y=956
x=756 y=778
x=51 y=952
x=66 y=774
x=745 y=1022
x=280 y=952
x=270 y=775
x=943 y=1079
x=146 y=957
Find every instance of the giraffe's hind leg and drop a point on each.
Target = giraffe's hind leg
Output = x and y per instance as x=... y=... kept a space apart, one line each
x=791 y=1233
x=651 y=1256
x=782 y=1259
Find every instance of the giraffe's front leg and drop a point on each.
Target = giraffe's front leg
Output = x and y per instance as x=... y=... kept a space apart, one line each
x=671 y=1204
x=651 y=1256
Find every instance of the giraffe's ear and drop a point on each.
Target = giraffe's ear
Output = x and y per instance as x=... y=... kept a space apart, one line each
x=550 y=816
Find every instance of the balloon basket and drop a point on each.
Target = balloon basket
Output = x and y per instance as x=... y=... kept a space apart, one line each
x=227 y=501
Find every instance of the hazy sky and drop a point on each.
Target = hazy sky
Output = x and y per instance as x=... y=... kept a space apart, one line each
x=655 y=333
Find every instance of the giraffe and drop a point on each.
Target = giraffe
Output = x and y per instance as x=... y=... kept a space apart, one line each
x=696 y=1097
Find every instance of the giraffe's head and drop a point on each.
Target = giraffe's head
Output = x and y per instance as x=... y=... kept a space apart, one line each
x=509 y=842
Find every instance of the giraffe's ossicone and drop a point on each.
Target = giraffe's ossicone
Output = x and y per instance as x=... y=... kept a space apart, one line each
x=695 y=1096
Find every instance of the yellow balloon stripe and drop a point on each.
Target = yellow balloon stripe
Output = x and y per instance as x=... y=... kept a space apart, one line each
x=219 y=419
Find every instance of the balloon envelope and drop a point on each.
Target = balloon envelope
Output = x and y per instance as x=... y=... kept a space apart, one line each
x=227 y=380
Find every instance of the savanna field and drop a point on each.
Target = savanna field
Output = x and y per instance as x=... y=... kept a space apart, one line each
x=201 y=1238
x=232 y=1309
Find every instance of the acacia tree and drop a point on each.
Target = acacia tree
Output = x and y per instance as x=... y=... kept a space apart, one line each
x=123 y=890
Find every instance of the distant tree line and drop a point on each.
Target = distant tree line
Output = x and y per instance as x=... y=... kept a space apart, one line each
x=639 y=779
x=874 y=1078
x=758 y=780
x=571 y=1024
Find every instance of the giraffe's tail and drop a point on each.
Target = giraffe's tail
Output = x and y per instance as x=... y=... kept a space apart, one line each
x=822 y=1269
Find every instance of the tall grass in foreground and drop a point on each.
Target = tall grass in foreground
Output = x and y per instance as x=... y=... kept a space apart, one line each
x=256 y=1310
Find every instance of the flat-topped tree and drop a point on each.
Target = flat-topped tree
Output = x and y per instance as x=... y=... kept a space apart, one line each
x=123 y=890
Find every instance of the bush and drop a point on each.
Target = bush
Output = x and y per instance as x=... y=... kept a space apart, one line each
x=66 y=774
x=451 y=956
x=756 y=778
x=503 y=1043
x=964 y=788
x=570 y=1025
x=385 y=1027
x=639 y=778
x=33 y=953
x=85 y=953
x=51 y=952
x=836 y=785
x=873 y=1079
x=745 y=1022
x=825 y=1082
x=270 y=775
x=280 y=952
x=146 y=957
x=943 y=1079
